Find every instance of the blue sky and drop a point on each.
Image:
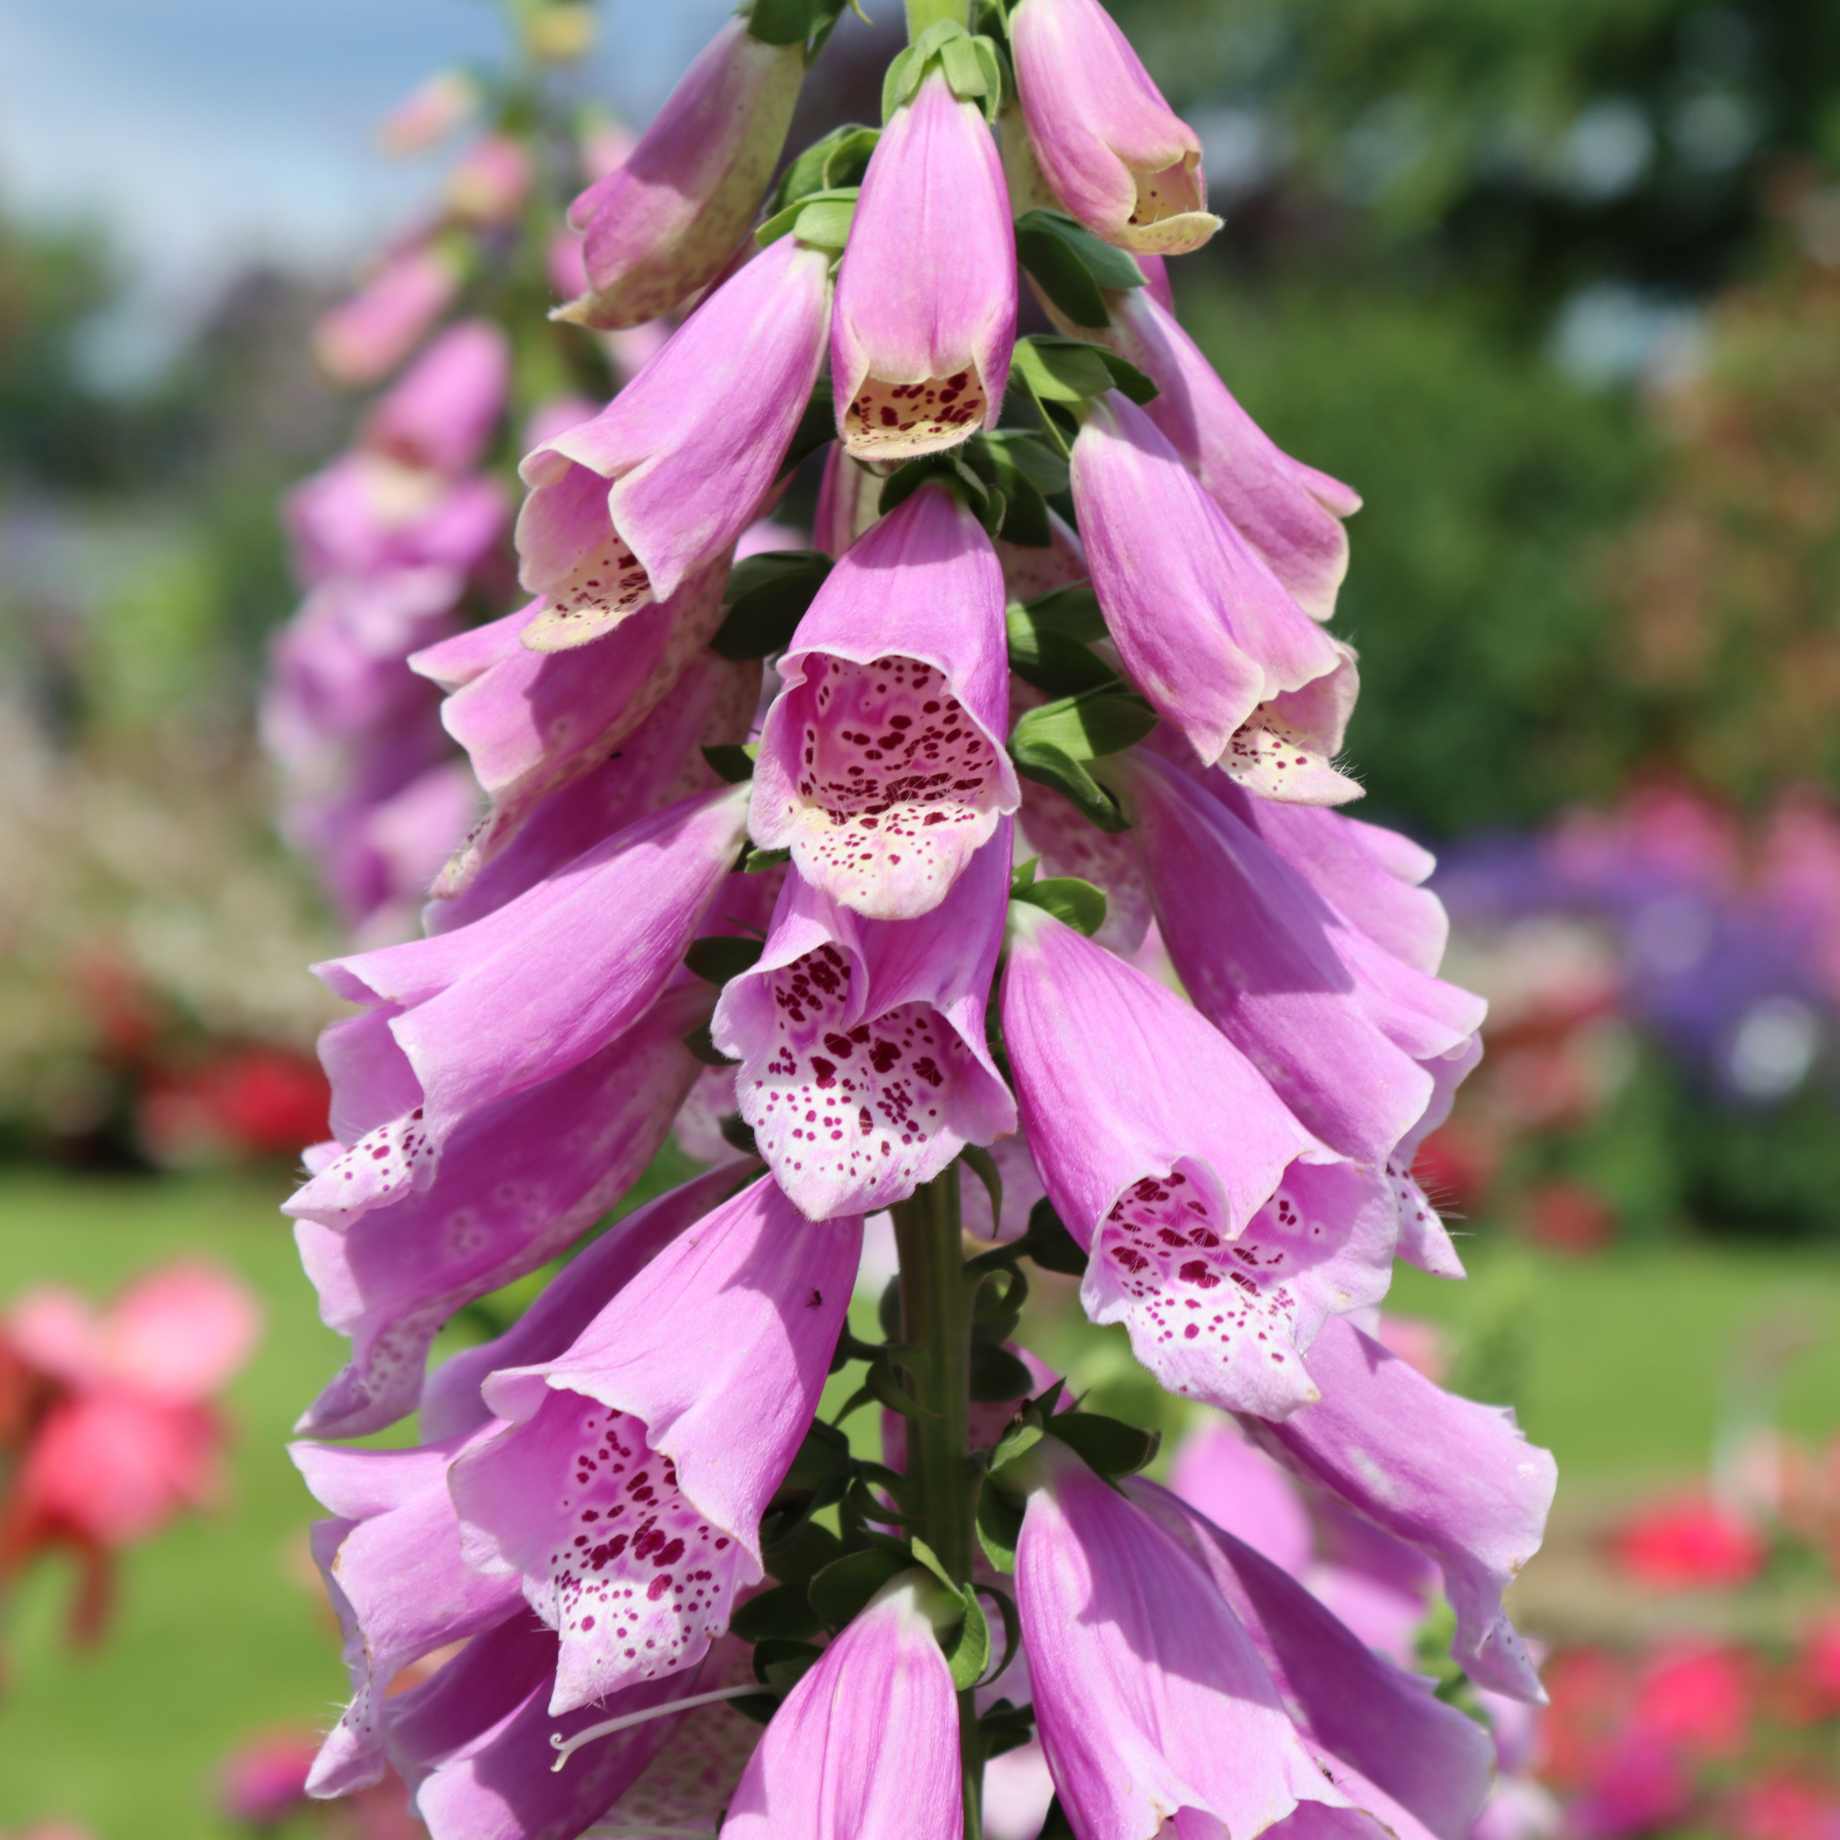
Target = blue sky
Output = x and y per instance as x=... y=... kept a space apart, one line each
x=204 y=132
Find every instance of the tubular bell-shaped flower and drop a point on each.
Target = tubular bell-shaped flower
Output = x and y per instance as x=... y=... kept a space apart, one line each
x=926 y=296
x=1114 y=152
x=628 y=1492
x=518 y=998
x=365 y=337
x=1156 y=1712
x=882 y=765
x=1457 y=1480
x=626 y=508
x=864 y=1066
x=1427 y=1756
x=533 y=722
x=517 y=1184
x=441 y=414
x=1355 y=1041
x=866 y=1746
x=1289 y=513
x=1204 y=627
x=1218 y=1229
x=666 y=220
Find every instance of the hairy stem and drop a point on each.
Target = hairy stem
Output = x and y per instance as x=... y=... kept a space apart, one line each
x=924 y=13
x=942 y=1479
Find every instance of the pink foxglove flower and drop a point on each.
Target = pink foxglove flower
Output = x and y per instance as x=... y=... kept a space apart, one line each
x=1364 y=1710
x=366 y=337
x=1219 y=1231
x=478 y=1744
x=1457 y=1480
x=865 y=1747
x=926 y=296
x=1290 y=514
x=533 y=722
x=626 y=508
x=1155 y=1709
x=628 y=1492
x=489 y=184
x=429 y=113
x=1205 y=629
x=882 y=765
x=517 y=1185
x=462 y=1020
x=864 y=1066
x=666 y=220
x=1114 y=152
x=1356 y=1042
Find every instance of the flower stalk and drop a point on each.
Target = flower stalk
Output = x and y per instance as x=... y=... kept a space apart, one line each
x=936 y=1364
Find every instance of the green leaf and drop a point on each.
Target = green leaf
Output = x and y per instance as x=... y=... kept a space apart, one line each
x=1053 y=744
x=767 y=596
x=844 y=1586
x=1067 y=898
x=782 y=1664
x=1053 y=655
x=718 y=958
x=817 y=428
x=1108 y=1445
x=1074 y=268
x=946 y=469
x=758 y=862
x=1060 y=370
x=797 y=1556
x=1005 y=1727
x=824 y=222
x=780 y=22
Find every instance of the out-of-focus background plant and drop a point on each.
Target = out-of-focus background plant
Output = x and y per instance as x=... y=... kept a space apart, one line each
x=1558 y=288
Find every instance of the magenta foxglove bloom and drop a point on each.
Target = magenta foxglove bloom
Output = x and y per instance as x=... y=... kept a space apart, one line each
x=882 y=765
x=865 y=1747
x=478 y=1744
x=390 y=1559
x=1155 y=1709
x=1290 y=514
x=926 y=296
x=626 y=508
x=489 y=183
x=518 y=998
x=1205 y=629
x=517 y=1184
x=1455 y=1479
x=363 y=339
x=1115 y=153
x=864 y=1066
x=1220 y=1232
x=534 y=722
x=652 y=765
x=429 y=113
x=1355 y=1041
x=628 y=1492
x=666 y=221
x=1426 y=1756
x=441 y=414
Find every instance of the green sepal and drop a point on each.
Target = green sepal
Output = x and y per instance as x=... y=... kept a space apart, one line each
x=767 y=596
x=838 y=159
x=1049 y=1243
x=719 y=957
x=733 y=765
x=699 y=1043
x=782 y=1664
x=758 y=862
x=1074 y=268
x=1023 y=514
x=783 y=1613
x=951 y=471
x=984 y=1166
x=1062 y=370
x=997 y=1375
x=1067 y=898
x=1005 y=1727
x=817 y=428
x=968 y=1649
x=842 y=1588
x=996 y=1311
x=1107 y=1445
x=738 y=1134
x=821 y=220
x=999 y=1526
x=795 y=22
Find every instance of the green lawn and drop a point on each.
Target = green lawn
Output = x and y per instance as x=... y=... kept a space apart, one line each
x=1620 y=1364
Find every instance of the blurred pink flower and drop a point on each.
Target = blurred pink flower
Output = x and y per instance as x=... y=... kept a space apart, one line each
x=1689 y=1543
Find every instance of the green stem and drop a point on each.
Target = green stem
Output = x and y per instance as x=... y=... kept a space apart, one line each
x=936 y=1326
x=922 y=14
